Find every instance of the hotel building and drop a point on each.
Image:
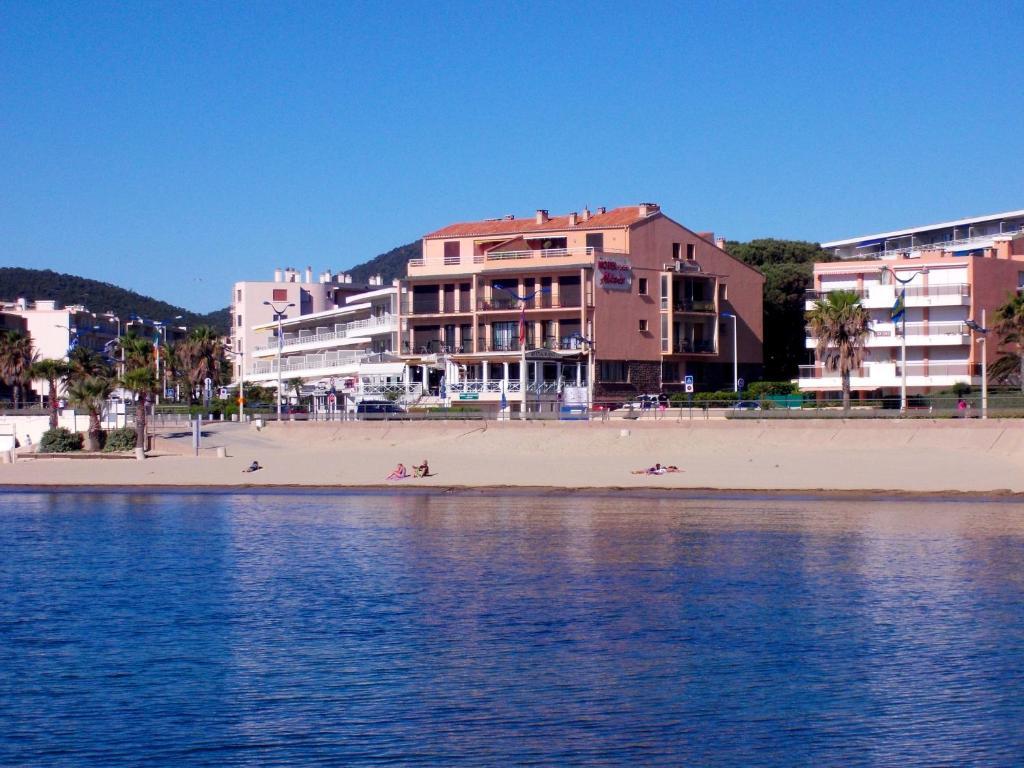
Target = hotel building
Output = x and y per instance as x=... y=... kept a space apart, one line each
x=954 y=272
x=620 y=302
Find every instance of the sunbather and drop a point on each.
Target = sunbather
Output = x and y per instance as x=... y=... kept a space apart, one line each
x=253 y=467
x=399 y=473
x=423 y=470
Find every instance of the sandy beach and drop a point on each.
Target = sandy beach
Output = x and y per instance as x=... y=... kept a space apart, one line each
x=917 y=457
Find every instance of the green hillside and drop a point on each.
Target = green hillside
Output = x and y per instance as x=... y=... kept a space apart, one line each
x=388 y=265
x=32 y=284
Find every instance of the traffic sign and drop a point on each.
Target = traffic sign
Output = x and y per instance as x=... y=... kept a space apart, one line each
x=689 y=388
x=469 y=396
x=688 y=380
x=740 y=384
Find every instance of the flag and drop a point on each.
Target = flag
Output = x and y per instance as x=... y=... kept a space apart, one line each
x=522 y=326
x=899 y=308
x=504 y=400
x=73 y=344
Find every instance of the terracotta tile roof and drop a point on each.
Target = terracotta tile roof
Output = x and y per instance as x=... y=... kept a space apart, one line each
x=617 y=218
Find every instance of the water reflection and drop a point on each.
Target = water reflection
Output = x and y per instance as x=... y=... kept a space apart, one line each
x=252 y=629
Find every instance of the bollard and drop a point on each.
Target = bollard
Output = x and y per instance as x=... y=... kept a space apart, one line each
x=222 y=453
x=140 y=454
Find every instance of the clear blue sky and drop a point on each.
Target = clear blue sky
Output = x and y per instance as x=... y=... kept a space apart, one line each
x=173 y=148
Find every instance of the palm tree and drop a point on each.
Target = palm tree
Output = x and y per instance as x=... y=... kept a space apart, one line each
x=85 y=363
x=200 y=357
x=1010 y=326
x=53 y=372
x=91 y=393
x=139 y=378
x=16 y=358
x=840 y=324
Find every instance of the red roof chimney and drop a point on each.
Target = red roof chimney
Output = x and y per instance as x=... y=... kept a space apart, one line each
x=542 y=216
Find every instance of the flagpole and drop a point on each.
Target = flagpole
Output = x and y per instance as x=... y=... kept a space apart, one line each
x=903 y=345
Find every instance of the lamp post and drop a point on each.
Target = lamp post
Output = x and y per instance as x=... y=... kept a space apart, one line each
x=735 y=355
x=981 y=329
x=903 y=330
x=522 y=341
x=280 y=345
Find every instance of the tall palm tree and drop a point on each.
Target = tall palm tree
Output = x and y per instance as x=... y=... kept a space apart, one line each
x=53 y=372
x=84 y=363
x=91 y=393
x=200 y=357
x=139 y=378
x=15 y=360
x=1010 y=327
x=841 y=326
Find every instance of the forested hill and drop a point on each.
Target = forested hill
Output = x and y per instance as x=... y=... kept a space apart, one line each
x=32 y=284
x=388 y=265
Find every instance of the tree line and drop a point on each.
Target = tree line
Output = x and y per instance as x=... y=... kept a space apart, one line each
x=87 y=378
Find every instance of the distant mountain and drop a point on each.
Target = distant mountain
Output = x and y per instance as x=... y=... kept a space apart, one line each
x=388 y=265
x=32 y=284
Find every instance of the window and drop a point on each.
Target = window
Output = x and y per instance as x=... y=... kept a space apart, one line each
x=691 y=251
x=452 y=251
x=238 y=293
x=1020 y=281
x=239 y=321
x=280 y=294
x=641 y=286
x=723 y=292
x=676 y=251
x=611 y=370
x=595 y=240
x=643 y=326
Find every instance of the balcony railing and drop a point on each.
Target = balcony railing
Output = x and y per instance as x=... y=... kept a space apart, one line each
x=295 y=363
x=545 y=253
x=356 y=328
x=960 y=244
x=686 y=347
x=820 y=372
x=913 y=291
x=913 y=369
x=693 y=305
x=501 y=303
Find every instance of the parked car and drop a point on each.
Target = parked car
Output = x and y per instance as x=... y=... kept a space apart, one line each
x=379 y=409
x=747 y=405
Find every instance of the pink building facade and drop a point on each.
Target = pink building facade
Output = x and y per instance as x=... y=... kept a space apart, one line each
x=624 y=301
x=953 y=273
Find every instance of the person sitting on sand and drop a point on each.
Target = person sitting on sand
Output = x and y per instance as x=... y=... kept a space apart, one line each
x=399 y=473
x=253 y=467
x=423 y=470
x=672 y=468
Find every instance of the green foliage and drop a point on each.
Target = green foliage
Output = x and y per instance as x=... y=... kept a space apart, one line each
x=120 y=440
x=389 y=265
x=759 y=389
x=60 y=440
x=726 y=397
x=788 y=267
x=98 y=296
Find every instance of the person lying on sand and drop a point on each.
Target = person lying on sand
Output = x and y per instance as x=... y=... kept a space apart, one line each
x=657 y=469
x=253 y=467
x=399 y=473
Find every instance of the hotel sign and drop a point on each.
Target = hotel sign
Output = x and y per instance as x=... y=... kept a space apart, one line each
x=614 y=274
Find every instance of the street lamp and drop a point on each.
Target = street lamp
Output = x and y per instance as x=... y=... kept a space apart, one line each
x=981 y=329
x=280 y=345
x=522 y=340
x=735 y=356
x=903 y=329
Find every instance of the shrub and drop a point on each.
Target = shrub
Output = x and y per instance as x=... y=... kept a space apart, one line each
x=726 y=397
x=120 y=440
x=60 y=440
x=759 y=389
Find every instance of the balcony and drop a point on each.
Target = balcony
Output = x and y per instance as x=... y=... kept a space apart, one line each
x=918 y=335
x=884 y=296
x=503 y=303
x=544 y=258
x=387 y=323
x=687 y=347
x=889 y=375
x=308 y=365
x=693 y=305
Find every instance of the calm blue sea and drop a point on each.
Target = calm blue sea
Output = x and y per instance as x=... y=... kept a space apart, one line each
x=353 y=629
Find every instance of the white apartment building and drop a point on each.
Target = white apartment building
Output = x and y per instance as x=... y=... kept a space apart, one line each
x=952 y=272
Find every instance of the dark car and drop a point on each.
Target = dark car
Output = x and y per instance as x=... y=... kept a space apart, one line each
x=747 y=405
x=379 y=409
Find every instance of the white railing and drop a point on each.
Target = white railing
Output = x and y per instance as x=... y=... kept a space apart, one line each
x=963 y=243
x=308 y=362
x=384 y=322
x=921 y=329
x=545 y=253
x=415 y=390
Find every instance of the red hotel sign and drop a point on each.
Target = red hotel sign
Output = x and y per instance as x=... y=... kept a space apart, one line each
x=614 y=274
